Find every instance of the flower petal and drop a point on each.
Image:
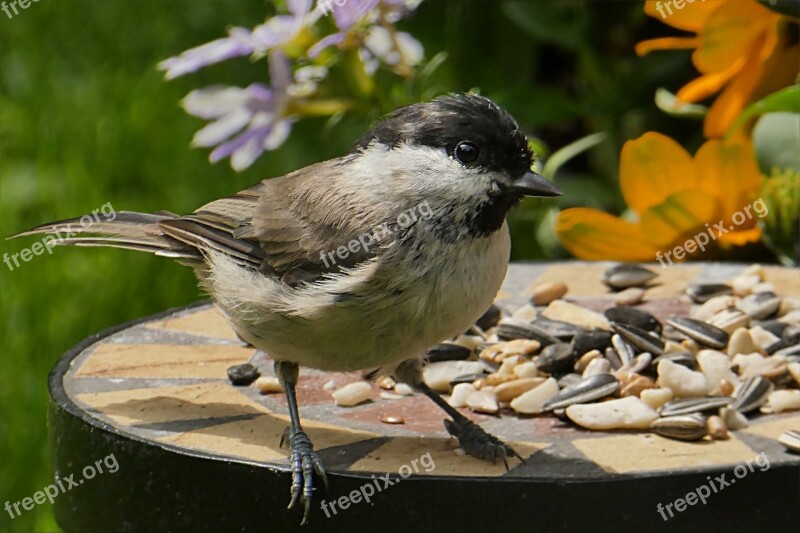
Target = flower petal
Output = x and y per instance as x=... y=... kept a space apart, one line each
x=214 y=102
x=708 y=84
x=651 y=168
x=729 y=171
x=216 y=132
x=691 y=17
x=680 y=216
x=279 y=134
x=330 y=40
x=594 y=235
x=665 y=43
x=196 y=58
x=740 y=237
x=732 y=30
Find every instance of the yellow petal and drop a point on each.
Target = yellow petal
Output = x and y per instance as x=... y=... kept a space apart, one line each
x=740 y=237
x=728 y=171
x=690 y=16
x=682 y=215
x=666 y=43
x=594 y=235
x=651 y=168
x=708 y=84
x=734 y=98
x=732 y=30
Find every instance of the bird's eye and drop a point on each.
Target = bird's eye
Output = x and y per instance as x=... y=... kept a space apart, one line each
x=466 y=152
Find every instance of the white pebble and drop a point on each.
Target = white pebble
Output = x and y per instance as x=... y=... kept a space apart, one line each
x=508 y=365
x=794 y=371
x=597 y=366
x=733 y=419
x=482 y=402
x=743 y=285
x=526 y=313
x=268 y=384
x=742 y=342
x=713 y=306
x=680 y=380
x=330 y=385
x=353 y=394
x=575 y=314
x=625 y=413
x=439 y=375
x=655 y=398
x=792 y=317
x=527 y=369
x=716 y=367
x=743 y=361
x=403 y=389
x=547 y=292
x=532 y=401
x=762 y=337
x=460 y=394
x=630 y=296
x=782 y=400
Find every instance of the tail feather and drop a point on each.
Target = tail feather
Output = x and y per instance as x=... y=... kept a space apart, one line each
x=127 y=229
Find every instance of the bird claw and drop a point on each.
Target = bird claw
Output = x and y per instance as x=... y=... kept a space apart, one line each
x=478 y=443
x=305 y=462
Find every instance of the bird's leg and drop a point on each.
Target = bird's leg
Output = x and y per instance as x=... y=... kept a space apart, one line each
x=303 y=458
x=471 y=437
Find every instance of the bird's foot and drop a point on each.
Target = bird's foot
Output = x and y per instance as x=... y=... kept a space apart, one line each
x=478 y=443
x=305 y=462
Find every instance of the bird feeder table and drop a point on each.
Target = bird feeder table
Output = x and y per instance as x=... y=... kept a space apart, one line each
x=196 y=453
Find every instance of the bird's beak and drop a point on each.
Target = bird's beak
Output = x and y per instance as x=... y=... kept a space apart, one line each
x=533 y=184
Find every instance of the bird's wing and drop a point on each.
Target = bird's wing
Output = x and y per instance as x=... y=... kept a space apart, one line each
x=290 y=226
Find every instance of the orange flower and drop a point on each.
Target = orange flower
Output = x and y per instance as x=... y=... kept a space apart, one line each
x=675 y=197
x=740 y=48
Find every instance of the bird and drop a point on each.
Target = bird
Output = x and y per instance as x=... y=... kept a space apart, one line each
x=360 y=262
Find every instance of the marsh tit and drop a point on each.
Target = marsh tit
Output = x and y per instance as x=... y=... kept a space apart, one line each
x=360 y=262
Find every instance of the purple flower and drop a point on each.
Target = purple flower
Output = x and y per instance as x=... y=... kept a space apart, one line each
x=347 y=13
x=246 y=122
x=273 y=33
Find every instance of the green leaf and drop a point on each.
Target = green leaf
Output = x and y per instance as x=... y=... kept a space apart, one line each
x=787 y=99
x=564 y=154
x=776 y=139
x=669 y=104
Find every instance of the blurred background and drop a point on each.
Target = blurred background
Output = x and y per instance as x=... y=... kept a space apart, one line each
x=86 y=119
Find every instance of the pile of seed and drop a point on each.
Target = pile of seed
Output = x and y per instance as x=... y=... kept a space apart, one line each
x=737 y=354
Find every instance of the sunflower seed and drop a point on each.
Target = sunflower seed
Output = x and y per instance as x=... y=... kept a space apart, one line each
x=730 y=320
x=563 y=331
x=785 y=342
x=613 y=358
x=586 y=390
x=686 y=359
x=702 y=292
x=510 y=329
x=791 y=440
x=685 y=406
x=490 y=318
x=586 y=341
x=646 y=342
x=700 y=331
x=627 y=275
x=556 y=358
x=751 y=394
x=685 y=427
x=624 y=350
x=633 y=317
x=760 y=305
x=788 y=351
x=242 y=375
x=447 y=352
x=568 y=380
